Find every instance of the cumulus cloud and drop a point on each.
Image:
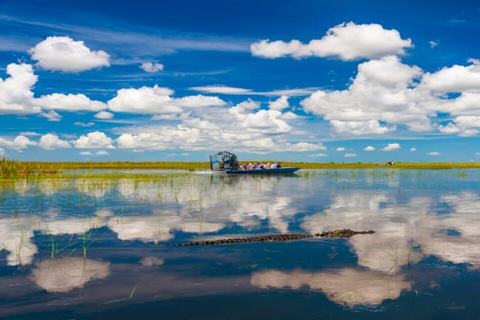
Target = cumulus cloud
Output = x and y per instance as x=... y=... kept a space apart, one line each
x=413 y=149
x=340 y=149
x=104 y=115
x=350 y=155
x=94 y=140
x=279 y=104
x=69 y=102
x=266 y=121
x=392 y=147
x=151 y=67
x=380 y=98
x=369 y=148
x=51 y=142
x=454 y=79
x=237 y=128
x=158 y=100
x=347 y=41
x=65 y=54
x=51 y=116
x=19 y=143
x=434 y=154
x=16 y=96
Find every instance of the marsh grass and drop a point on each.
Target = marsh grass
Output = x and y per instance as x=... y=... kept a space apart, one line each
x=11 y=169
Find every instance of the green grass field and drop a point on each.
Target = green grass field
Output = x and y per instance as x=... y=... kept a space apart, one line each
x=10 y=169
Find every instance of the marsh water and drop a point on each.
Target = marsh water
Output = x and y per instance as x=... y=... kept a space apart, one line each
x=99 y=248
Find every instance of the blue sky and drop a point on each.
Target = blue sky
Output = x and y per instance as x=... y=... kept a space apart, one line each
x=179 y=80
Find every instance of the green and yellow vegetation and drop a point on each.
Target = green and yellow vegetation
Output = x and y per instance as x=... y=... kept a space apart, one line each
x=11 y=169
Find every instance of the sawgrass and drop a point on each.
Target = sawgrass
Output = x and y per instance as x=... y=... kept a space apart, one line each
x=11 y=169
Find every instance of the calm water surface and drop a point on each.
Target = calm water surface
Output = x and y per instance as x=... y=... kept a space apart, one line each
x=96 y=248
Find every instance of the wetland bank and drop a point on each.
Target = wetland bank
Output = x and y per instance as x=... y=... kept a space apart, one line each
x=98 y=244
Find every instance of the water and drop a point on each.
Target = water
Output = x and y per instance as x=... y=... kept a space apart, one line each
x=96 y=248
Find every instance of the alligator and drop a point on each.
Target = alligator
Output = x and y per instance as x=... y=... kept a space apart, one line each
x=343 y=233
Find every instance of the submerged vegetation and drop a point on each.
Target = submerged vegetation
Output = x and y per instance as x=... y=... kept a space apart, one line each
x=11 y=169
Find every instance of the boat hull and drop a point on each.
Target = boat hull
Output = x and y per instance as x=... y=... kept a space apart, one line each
x=263 y=171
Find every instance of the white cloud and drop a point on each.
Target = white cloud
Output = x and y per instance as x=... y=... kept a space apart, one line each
x=94 y=140
x=289 y=116
x=29 y=133
x=83 y=124
x=454 y=79
x=19 y=143
x=101 y=153
x=51 y=115
x=248 y=105
x=104 y=115
x=16 y=96
x=301 y=147
x=340 y=149
x=51 y=142
x=432 y=43
x=221 y=89
x=369 y=148
x=231 y=131
x=379 y=99
x=69 y=102
x=347 y=41
x=279 y=104
x=392 y=147
x=318 y=155
x=85 y=153
x=413 y=149
x=65 y=54
x=262 y=121
x=434 y=154
x=157 y=100
x=350 y=155
x=151 y=67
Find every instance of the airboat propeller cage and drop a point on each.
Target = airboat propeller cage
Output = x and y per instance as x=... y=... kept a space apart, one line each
x=223 y=161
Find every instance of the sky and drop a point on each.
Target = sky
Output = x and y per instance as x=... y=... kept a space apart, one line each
x=310 y=81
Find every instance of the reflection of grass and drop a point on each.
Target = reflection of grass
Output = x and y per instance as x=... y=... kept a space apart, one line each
x=124 y=299
x=86 y=241
x=344 y=297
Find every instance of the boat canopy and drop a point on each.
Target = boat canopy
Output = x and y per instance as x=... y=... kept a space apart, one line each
x=223 y=161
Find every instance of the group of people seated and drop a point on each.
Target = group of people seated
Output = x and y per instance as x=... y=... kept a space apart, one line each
x=259 y=166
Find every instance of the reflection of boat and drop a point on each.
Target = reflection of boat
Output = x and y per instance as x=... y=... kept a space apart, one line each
x=276 y=170
x=228 y=162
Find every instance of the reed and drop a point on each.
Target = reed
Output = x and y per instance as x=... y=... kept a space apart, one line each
x=11 y=169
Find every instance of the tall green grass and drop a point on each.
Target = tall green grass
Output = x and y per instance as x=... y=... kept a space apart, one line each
x=11 y=169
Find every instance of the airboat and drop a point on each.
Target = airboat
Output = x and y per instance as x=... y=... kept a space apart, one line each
x=228 y=162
